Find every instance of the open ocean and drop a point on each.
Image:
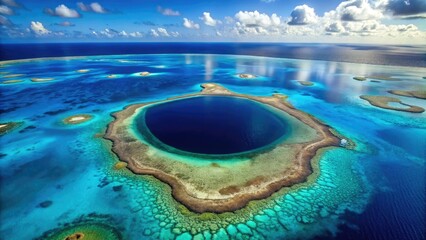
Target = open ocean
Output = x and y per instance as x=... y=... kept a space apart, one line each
x=382 y=198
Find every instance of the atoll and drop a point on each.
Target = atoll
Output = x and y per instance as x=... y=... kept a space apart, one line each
x=383 y=102
x=76 y=119
x=228 y=186
x=416 y=94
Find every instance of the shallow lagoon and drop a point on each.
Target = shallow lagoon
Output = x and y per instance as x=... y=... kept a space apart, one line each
x=374 y=191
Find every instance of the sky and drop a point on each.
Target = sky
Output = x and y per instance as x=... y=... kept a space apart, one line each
x=313 y=21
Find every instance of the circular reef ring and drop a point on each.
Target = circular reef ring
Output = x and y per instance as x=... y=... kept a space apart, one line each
x=223 y=183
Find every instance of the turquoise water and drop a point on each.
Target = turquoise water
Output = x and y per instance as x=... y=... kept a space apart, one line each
x=46 y=160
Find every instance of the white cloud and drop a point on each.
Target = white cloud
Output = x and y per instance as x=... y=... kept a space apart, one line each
x=135 y=34
x=162 y=32
x=10 y=3
x=63 y=11
x=65 y=24
x=335 y=27
x=208 y=20
x=154 y=33
x=5 y=10
x=357 y=10
x=190 y=24
x=38 y=28
x=302 y=15
x=256 y=23
x=92 y=7
x=4 y=21
x=267 y=1
x=168 y=11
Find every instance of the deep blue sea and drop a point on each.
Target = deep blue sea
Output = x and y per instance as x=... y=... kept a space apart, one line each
x=54 y=175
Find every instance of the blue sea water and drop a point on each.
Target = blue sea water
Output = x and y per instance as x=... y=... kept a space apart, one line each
x=213 y=125
x=376 y=191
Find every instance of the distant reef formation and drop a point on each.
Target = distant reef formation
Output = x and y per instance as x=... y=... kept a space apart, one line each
x=384 y=101
x=415 y=94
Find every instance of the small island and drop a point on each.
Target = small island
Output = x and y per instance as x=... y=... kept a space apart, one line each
x=76 y=119
x=384 y=101
x=216 y=184
x=375 y=78
x=144 y=74
x=83 y=70
x=247 y=75
x=415 y=94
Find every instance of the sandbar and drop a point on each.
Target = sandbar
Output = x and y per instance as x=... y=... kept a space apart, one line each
x=305 y=83
x=83 y=70
x=12 y=81
x=13 y=75
x=221 y=186
x=383 y=102
x=76 y=119
x=41 y=79
x=144 y=74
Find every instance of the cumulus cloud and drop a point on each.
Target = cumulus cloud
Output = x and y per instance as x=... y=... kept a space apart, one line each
x=256 y=23
x=38 y=28
x=92 y=7
x=63 y=11
x=190 y=24
x=358 y=10
x=162 y=32
x=335 y=27
x=5 y=10
x=302 y=15
x=168 y=11
x=407 y=8
x=208 y=20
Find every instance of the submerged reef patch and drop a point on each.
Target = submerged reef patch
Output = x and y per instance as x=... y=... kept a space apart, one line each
x=84 y=231
x=8 y=127
x=223 y=183
x=384 y=101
